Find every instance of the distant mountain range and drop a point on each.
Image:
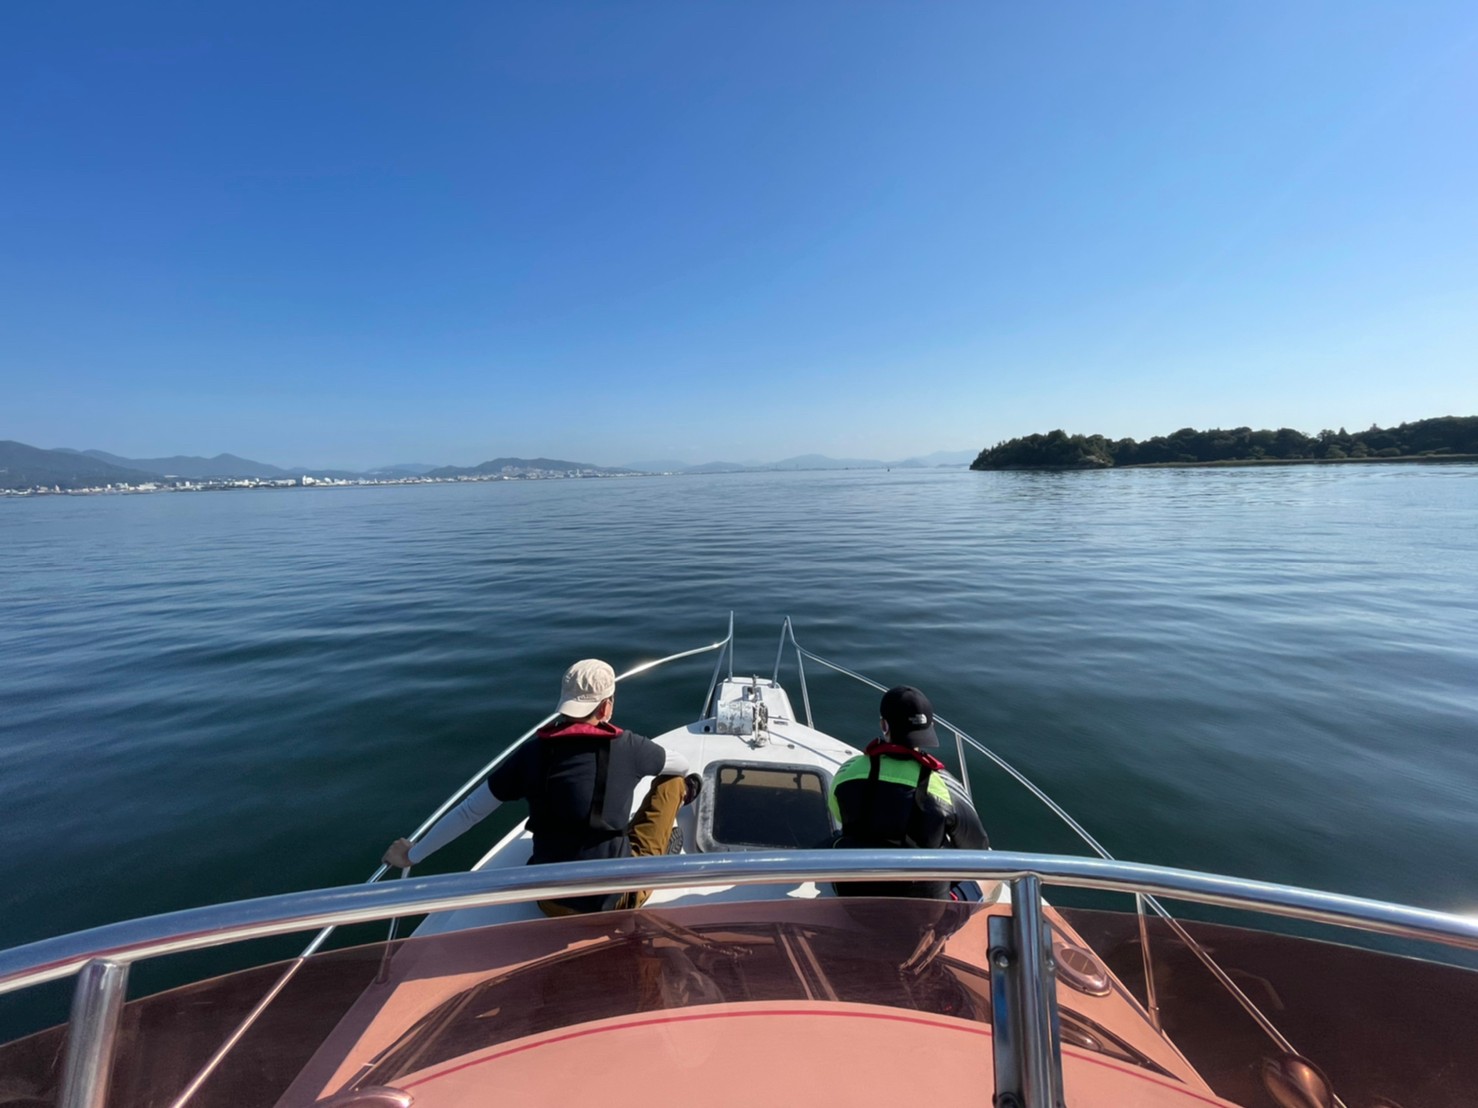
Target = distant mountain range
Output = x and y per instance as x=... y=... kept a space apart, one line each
x=24 y=467
x=404 y=469
x=222 y=465
x=811 y=461
x=520 y=466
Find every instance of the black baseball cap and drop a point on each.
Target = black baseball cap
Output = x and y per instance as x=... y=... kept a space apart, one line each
x=909 y=716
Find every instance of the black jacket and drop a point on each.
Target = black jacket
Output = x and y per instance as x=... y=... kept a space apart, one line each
x=895 y=797
x=580 y=780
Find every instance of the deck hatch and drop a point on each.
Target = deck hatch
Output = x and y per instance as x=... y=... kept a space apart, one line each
x=750 y=805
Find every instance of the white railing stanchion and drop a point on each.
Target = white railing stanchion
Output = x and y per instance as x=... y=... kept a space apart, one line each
x=92 y=1034
x=384 y=973
x=964 y=765
x=800 y=668
x=727 y=647
x=1151 y=999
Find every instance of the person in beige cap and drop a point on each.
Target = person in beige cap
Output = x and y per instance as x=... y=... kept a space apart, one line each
x=579 y=775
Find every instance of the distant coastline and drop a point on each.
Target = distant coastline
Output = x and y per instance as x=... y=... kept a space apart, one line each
x=1443 y=439
x=32 y=471
x=1244 y=463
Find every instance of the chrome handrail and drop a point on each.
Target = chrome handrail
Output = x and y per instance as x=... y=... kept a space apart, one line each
x=221 y=924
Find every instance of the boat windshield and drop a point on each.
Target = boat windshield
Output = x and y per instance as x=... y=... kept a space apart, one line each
x=407 y=1015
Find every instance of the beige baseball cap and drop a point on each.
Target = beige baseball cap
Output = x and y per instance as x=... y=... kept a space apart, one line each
x=585 y=685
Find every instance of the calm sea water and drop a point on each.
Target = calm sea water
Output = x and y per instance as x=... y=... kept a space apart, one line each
x=1271 y=673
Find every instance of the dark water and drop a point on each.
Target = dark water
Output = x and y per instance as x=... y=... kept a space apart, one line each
x=1270 y=673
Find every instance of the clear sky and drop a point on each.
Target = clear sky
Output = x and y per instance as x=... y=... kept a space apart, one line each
x=362 y=233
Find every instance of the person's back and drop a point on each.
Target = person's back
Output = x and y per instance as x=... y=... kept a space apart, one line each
x=579 y=780
x=897 y=796
x=579 y=776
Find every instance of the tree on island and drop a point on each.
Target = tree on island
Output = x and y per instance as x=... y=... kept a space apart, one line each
x=1447 y=436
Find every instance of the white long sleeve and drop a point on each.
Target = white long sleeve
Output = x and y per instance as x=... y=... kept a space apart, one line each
x=464 y=817
x=676 y=764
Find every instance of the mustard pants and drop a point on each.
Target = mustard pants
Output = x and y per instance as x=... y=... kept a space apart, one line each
x=649 y=833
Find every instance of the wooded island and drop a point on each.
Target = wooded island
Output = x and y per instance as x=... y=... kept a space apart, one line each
x=1447 y=438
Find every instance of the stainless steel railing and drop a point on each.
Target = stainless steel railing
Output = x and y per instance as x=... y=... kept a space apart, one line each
x=110 y=950
x=284 y=914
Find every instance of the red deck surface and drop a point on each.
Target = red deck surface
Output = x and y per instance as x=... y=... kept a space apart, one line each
x=816 y=1054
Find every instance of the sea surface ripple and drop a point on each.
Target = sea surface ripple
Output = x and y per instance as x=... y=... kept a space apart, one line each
x=1265 y=672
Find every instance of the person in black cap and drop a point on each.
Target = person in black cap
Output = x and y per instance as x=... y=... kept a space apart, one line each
x=895 y=795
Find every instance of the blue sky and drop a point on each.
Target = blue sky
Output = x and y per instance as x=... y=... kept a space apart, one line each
x=356 y=234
